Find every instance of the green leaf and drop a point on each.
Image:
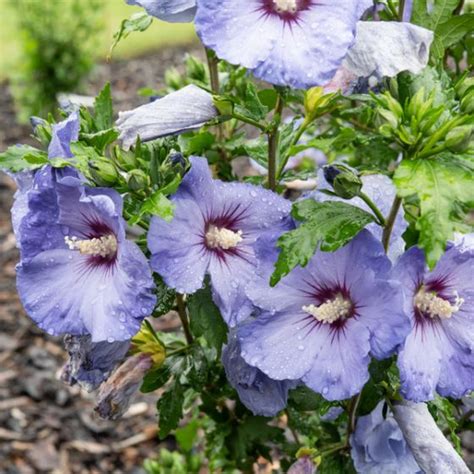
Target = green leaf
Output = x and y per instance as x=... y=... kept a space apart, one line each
x=196 y=144
x=328 y=225
x=252 y=106
x=137 y=22
x=158 y=205
x=451 y=32
x=439 y=14
x=100 y=140
x=103 y=111
x=22 y=157
x=155 y=379
x=165 y=297
x=441 y=185
x=170 y=409
x=186 y=435
x=205 y=318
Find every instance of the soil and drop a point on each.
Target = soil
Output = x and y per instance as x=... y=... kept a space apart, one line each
x=46 y=426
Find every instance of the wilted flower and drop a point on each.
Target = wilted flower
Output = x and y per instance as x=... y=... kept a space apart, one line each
x=404 y=47
x=214 y=231
x=378 y=446
x=174 y=11
x=321 y=322
x=437 y=354
x=115 y=394
x=78 y=274
x=300 y=43
x=186 y=109
x=91 y=363
x=381 y=190
x=303 y=465
x=259 y=393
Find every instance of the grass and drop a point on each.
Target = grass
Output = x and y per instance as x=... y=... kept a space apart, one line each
x=159 y=35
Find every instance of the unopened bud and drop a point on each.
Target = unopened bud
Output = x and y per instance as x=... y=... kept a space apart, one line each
x=138 y=180
x=303 y=465
x=195 y=69
x=345 y=182
x=104 y=172
x=115 y=394
x=467 y=102
x=173 y=79
x=464 y=85
x=460 y=138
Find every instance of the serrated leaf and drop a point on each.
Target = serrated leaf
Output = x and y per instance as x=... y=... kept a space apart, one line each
x=155 y=379
x=158 y=205
x=327 y=225
x=441 y=185
x=22 y=157
x=100 y=140
x=451 y=32
x=137 y=22
x=170 y=409
x=206 y=319
x=103 y=111
x=165 y=298
x=438 y=14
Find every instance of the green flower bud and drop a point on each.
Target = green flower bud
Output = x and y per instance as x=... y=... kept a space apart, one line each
x=459 y=138
x=464 y=85
x=467 y=103
x=126 y=159
x=223 y=106
x=173 y=79
x=138 y=180
x=104 y=172
x=345 y=182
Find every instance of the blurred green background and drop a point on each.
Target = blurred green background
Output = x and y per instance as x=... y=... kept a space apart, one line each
x=114 y=11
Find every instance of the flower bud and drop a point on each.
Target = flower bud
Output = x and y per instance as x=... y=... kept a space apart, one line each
x=459 y=138
x=464 y=85
x=104 y=172
x=115 y=394
x=345 y=182
x=223 y=106
x=173 y=79
x=303 y=465
x=138 y=180
x=126 y=159
x=467 y=103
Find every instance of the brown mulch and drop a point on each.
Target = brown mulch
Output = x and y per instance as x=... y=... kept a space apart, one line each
x=46 y=426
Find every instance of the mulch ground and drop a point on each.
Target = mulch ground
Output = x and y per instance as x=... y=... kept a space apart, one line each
x=46 y=426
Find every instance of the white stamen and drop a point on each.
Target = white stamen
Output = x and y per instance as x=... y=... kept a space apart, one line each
x=330 y=311
x=283 y=6
x=434 y=306
x=222 y=238
x=105 y=246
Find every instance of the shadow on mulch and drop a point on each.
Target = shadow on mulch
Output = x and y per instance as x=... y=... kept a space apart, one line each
x=46 y=426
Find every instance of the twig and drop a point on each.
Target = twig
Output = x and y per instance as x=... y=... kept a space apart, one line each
x=184 y=318
x=387 y=232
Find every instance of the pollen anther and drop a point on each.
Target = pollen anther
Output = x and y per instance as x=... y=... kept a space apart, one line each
x=429 y=303
x=222 y=238
x=284 y=6
x=105 y=246
x=330 y=311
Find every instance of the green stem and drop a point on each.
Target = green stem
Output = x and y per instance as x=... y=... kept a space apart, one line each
x=213 y=64
x=250 y=121
x=374 y=208
x=184 y=318
x=273 y=144
x=334 y=448
x=178 y=351
x=294 y=141
x=387 y=232
x=351 y=424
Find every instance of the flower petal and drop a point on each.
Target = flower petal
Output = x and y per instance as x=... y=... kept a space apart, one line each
x=64 y=294
x=174 y=11
x=186 y=109
x=63 y=133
